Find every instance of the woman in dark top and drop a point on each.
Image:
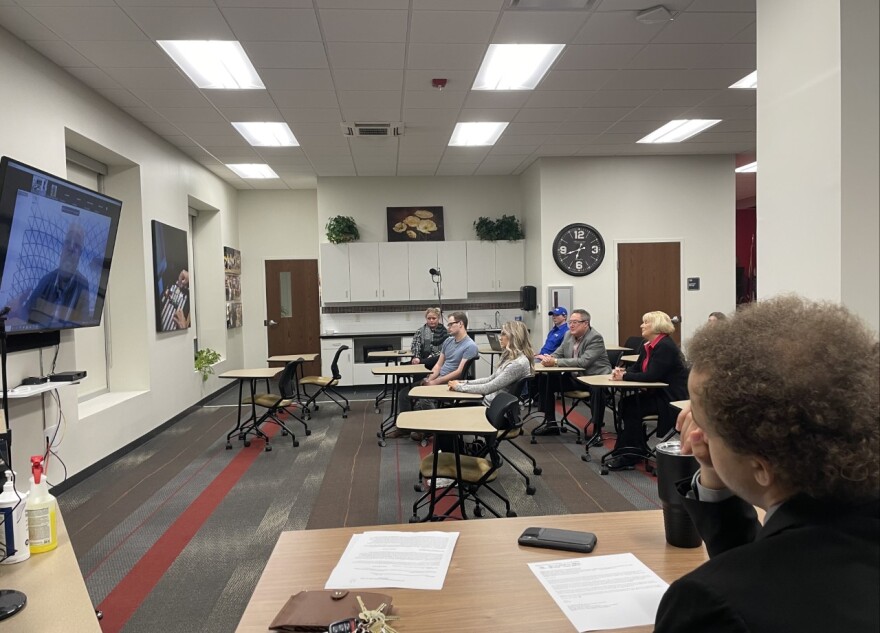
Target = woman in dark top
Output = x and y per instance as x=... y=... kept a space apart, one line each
x=659 y=360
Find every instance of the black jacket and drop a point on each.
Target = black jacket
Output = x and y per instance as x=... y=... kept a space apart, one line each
x=665 y=365
x=813 y=567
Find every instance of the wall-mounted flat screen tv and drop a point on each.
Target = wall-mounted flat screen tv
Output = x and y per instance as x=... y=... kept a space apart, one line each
x=56 y=245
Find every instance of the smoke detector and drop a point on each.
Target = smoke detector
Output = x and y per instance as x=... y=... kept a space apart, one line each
x=655 y=15
x=372 y=130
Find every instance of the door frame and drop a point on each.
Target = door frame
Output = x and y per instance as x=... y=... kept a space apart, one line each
x=682 y=287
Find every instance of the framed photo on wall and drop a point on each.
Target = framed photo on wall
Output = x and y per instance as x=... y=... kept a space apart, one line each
x=171 y=278
x=232 y=268
x=415 y=224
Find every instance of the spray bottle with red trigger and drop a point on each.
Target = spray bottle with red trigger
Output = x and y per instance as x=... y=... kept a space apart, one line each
x=42 y=511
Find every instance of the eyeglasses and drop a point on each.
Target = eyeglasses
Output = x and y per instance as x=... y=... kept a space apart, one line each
x=577 y=321
x=454 y=323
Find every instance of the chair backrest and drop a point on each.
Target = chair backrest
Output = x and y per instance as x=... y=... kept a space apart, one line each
x=334 y=366
x=286 y=380
x=517 y=387
x=635 y=344
x=503 y=413
x=470 y=369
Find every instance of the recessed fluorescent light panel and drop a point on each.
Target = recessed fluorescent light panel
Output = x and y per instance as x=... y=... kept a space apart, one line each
x=253 y=170
x=751 y=168
x=516 y=66
x=476 y=134
x=749 y=82
x=267 y=134
x=678 y=130
x=214 y=64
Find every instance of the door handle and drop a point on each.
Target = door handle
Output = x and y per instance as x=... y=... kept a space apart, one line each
x=269 y=323
x=676 y=320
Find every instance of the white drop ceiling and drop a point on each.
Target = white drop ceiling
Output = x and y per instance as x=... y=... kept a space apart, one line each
x=328 y=61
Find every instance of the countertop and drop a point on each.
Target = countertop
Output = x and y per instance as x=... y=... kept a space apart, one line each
x=389 y=334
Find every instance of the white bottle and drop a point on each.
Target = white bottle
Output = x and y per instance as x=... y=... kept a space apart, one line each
x=42 y=511
x=15 y=502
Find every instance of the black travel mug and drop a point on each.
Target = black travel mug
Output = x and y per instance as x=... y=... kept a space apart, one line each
x=672 y=467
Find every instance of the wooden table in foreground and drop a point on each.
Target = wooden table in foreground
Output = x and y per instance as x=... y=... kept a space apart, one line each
x=57 y=599
x=489 y=586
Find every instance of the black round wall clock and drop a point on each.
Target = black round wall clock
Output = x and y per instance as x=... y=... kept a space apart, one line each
x=578 y=249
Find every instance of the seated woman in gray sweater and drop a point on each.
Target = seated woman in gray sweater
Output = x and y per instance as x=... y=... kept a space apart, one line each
x=516 y=364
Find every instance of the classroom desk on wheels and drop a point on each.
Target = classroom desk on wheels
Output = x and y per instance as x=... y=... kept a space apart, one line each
x=57 y=598
x=629 y=358
x=548 y=398
x=455 y=421
x=443 y=393
x=489 y=586
x=492 y=353
x=389 y=356
x=250 y=376
x=605 y=381
x=397 y=373
x=299 y=359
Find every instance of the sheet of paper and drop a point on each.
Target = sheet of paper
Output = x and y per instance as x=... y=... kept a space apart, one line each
x=408 y=560
x=602 y=592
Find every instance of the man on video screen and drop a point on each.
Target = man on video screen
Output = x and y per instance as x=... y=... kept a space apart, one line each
x=62 y=296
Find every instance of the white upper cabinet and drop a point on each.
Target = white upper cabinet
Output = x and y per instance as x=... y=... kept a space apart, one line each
x=510 y=265
x=422 y=258
x=363 y=266
x=335 y=283
x=394 y=271
x=452 y=262
x=481 y=267
x=495 y=266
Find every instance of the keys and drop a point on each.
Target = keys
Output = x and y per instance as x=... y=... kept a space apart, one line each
x=375 y=620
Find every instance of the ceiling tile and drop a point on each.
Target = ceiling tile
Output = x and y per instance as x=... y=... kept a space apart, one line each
x=445 y=27
x=369 y=99
x=378 y=56
x=145 y=114
x=488 y=114
x=678 y=97
x=330 y=133
x=239 y=98
x=695 y=56
x=415 y=79
x=88 y=23
x=286 y=54
x=61 y=53
x=704 y=27
x=597 y=57
x=137 y=79
x=459 y=5
x=122 y=98
x=538 y=27
x=270 y=113
x=295 y=116
x=184 y=115
x=24 y=26
x=616 y=28
x=619 y=98
x=305 y=99
x=363 y=26
x=600 y=114
x=368 y=79
x=666 y=113
x=181 y=23
x=704 y=79
x=583 y=127
x=569 y=139
x=244 y=4
x=559 y=99
x=264 y=25
x=445 y=56
x=363 y=4
x=537 y=127
x=497 y=99
x=638 y=79
x=173 y=98
x=457 y=170
x=297 y=79
x=434 y=100
x=576 y=79
x=131 y=54
x=370 y=115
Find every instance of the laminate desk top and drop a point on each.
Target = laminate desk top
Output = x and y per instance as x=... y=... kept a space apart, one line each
x=555 y=369
x=629 y=358
x=489 y=586
x=390 y=353
x=289 y=358
x=401 y=370
x=259 y=373
x=57 y=598
x=681 y=404
x=487 y=349
x=604 y=380
x=449 y=420
x=442 y=392
x=618 y=348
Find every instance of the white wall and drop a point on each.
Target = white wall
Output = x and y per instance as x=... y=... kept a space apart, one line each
x=656 y=198
x=272 y=225
x=463 y=199
x=42 y=107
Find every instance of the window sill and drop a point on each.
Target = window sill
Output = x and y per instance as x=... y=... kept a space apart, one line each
x=106 y=401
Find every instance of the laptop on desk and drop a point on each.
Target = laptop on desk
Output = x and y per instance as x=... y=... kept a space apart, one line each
x=494 y=342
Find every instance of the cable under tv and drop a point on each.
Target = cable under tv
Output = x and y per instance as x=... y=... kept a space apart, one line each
x=68 y=376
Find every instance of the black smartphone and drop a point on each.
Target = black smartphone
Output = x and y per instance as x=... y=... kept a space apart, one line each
x=551 y=538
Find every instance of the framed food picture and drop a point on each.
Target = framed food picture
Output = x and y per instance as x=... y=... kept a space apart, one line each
x=415 y=224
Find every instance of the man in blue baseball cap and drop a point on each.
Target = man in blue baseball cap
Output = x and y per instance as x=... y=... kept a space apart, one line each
x=557 y=332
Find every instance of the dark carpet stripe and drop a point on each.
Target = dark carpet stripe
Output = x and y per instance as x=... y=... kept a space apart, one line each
x=127 y=596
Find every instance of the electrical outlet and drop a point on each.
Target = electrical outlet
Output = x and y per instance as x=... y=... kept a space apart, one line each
x=49 y=433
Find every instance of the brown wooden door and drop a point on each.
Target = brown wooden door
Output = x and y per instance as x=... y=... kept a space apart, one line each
x=292 y=302
x=648 y=278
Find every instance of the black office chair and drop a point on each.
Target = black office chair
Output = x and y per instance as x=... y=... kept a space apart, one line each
x=326 y=385
x=517 y=431
x=274 y=405
x=476 y=470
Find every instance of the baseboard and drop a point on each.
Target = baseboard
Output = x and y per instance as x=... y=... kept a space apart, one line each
x=85 y=473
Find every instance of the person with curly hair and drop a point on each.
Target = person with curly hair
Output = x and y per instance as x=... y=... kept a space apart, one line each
x=785 y=416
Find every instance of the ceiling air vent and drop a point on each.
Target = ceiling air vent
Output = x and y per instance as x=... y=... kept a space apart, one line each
x=372 y=130
x=551 y=5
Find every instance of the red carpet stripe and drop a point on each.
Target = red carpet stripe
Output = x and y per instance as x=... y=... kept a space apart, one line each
x=121 y=603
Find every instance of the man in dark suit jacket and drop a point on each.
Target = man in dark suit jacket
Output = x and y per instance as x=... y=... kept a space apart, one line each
x=787 y=422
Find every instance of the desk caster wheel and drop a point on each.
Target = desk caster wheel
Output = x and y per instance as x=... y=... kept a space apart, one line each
x=530 y=490
x=315 y=407
x=296 y=443
x=377 y=410
x=604 y=471
x=418 y=487
x=268 y=448
x=510 y=513
x=478 y=511
x=344 y=415
x=534 y=441
x=241 y=437
x=247 y=443
x=382 y=443
x=228 y=446
x=99 y=614
x=587 y=457
x=537 y=470
x=578 y=441
x=423 y=442
x=414 y=518
x=308 y=432
x=284 y=432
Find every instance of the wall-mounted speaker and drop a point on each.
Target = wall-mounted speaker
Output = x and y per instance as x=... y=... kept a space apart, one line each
x=528 y=298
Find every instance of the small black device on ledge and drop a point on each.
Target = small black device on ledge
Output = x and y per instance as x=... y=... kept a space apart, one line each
x=35 y=380
x=68 y=376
